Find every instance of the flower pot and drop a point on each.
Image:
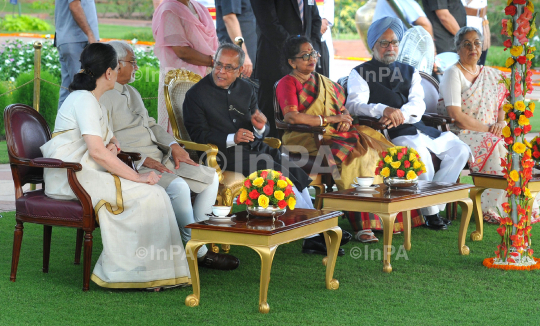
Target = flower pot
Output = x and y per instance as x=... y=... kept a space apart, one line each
x=400 y=182
x=270 y=211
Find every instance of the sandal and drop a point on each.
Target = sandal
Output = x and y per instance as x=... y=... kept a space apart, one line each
x=366 y=236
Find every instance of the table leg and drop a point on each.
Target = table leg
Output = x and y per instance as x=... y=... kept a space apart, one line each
x=267 y=256
x=388 y=231
x=466 y=210
x=192 y=247
x=407 y=230
x=332 y=238
x=476 y=196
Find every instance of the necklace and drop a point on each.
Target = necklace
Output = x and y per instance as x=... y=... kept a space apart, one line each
x=467 y=70
x=300 y=78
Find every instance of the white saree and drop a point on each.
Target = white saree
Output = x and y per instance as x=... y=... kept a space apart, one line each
x=142 y=246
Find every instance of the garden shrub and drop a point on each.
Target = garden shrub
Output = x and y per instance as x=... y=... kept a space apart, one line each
x=147 y=83
x=15 y=23
x=48 y=103
x=4 y=101
x=140 y=36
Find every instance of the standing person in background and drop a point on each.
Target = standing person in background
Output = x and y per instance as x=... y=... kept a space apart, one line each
x=447 y=17
x=477 y=17
x=185 y=38
x=235 y=18
x=277 y=20
x=76 y=26
x=326 y=11
x=411 y=10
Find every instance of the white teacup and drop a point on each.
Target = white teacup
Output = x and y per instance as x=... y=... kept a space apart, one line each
x=221 y=211
x=364 y=181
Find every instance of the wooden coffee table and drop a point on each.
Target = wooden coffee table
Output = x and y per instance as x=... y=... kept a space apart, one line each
x=264 y=236
x=490 y=181
x=387 y=204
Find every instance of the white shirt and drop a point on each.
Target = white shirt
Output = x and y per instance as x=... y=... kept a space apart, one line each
x=475 y=21
x=258 y=133
x=357 y=100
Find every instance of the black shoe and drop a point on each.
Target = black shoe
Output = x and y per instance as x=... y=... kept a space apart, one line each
x=446 y=221
x=435 y=222
x=345 y=238
x=314 y=246
x=219 y=261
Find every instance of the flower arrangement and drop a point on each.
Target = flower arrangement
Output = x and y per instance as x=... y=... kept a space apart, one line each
x=265 y=188
x=514 y=251
x=400 y=162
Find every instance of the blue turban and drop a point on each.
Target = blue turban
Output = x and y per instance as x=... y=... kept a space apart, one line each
x=380 y=26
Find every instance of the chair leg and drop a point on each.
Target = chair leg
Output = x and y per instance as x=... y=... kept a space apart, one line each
x=78 y=246
x=87 y=260
x=17 y=240
x=454 y=210
x=47 y=231
x=319 y=189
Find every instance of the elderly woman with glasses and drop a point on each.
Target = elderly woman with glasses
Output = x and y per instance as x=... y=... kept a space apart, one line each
x=472 y=95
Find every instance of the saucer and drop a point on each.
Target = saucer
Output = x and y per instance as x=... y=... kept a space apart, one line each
x=220 y=218
x=359 y=187
x=220 y=222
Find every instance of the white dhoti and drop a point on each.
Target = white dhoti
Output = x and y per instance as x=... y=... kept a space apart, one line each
x=452 y=152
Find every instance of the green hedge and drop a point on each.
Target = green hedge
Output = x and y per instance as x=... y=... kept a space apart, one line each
x=48 y=103
x=147 y=83
x=4 y=101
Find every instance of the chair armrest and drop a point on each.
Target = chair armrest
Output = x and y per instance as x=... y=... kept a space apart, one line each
x=371 y=122
x=129 y=159
x=133 y=155
x=272 y=142
x=445 y=117
x=211 y=151
x=300 y=128
x=42 y=162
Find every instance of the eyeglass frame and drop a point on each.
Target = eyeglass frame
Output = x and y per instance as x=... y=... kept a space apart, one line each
x=312 y=55
x=216 y=64
x=395 y=43
x=469 y=45
x=133 y=62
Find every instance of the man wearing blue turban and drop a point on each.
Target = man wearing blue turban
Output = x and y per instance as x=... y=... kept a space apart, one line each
x=392 y=91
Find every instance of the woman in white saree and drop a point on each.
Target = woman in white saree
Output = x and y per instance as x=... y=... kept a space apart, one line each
x=142 y=247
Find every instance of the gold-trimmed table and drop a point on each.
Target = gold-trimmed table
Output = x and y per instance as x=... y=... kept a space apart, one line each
x=264 y=236
x=490 y=181
x=388 y=203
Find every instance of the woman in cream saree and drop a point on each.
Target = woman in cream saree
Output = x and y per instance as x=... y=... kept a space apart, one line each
x=142 y=246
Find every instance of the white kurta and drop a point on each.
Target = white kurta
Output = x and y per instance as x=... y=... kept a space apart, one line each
x=141 y=241
x=447 y=147
x=326 y=11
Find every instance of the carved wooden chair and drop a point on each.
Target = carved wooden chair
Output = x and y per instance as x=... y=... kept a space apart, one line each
x=26 y=132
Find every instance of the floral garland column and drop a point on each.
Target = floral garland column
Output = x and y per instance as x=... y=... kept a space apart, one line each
x=514 y=251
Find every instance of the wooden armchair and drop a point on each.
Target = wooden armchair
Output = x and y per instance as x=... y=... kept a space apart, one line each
x=26 y=132
x=177 y=83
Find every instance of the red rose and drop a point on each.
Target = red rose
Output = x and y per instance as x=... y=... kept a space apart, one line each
x=384 y=154
x=508 y=43
x=517 y=131
x=248 y=202
x=521 y=59
x=254 y=194
x=517 y=191
x=520 y=2
x=528 y=113
x=399 y=156
x=381 y=163
x=282 y=204
x=536 y=155
x=407 y=164
x=509 y=140
x=400 y=173
x=271 y=183
x=247 y=183
x=527 y=128
x=281 y=177
x=535 y=147
x=264 y=174
x=238 y=201
x=288 y=191
x=377 y=171
x=269 y=191
x=404 y=150
x=512 y=115
x=419 y=172
x=510 y=10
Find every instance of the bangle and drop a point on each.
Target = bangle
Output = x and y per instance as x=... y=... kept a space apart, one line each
x=211 y=60
x=320 y=117
x=325 y=122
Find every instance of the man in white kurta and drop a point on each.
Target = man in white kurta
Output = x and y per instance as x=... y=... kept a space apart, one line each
x=392 y=91
x=326 y=11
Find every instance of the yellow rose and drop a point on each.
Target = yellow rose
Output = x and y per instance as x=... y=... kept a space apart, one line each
x=276 y=174
x=506 y=131
x=388 y=159
x=411 y=175
x=523 y=121
x=514 y=175
x=519 y=148
x=530 y=6
x=282 y=184
x=263 y=201
x=507 y=107
x=509 y=62
x=527 y=143
x=417 y=165
x=528 y=152
x=392 y=151
x=291 y=202
x=395 y=165
x=516 y=50
x=529 y=56
x=532 y=106
x=412 y=150
x=279 y=195
x=520 y=106
x=527 y=193
x=385 y=172
x=258 y=182
x=289 y=182
x=243 y=195
x=412 y=157
x=253 y=176
x=424 y=168
x=399 y=147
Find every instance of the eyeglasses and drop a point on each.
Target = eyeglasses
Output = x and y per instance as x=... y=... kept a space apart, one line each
x=218 y=66
x=469 y=45
x=307 y=56
x=133 y=62
x=384 y=43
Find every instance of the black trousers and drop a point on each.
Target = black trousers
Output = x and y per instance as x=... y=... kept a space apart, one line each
x=266 y=103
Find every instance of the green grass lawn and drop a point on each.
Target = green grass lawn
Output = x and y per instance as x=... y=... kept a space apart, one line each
x=431 y=285
x=3 y=152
